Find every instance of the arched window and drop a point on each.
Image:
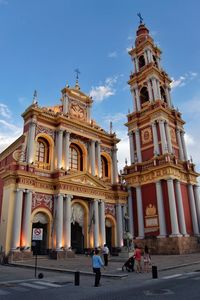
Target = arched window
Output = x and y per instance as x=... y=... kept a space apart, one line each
x=42 y=151
x=104 y=167
x=163 y=95
x=141 y=61
x=144 y=95
x=75 y=158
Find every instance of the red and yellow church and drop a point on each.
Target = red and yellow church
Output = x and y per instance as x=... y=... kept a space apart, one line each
x=164 y=204
x=61 y=177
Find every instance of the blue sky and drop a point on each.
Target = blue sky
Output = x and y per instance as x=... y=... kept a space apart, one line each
x=43 y=42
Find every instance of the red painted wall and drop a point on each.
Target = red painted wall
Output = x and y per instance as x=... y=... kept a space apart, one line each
x=135 y=218
x=186 y=207
x=147 y=154
x=166 y=206
x=149 y=197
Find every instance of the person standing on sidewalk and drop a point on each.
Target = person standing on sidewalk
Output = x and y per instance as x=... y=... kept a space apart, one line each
x=138 y=257
x=147 y=259
x=105 y=252
x=97 y=263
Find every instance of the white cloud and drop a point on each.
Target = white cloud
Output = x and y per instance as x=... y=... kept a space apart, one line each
x=101 y=92
x=183 y=80
x=115 y=118
x=112 y=54
x=4 y=111
x=123 y=149
x=8 y=134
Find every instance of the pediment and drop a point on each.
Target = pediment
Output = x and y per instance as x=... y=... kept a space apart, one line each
x=86 y=179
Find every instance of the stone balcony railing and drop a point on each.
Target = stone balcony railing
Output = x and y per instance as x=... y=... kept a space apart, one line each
x=164 y=160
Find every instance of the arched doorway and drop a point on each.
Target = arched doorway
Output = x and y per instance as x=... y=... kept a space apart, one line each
x=77 y=238
x=40 y=220
x=109 y=237
x=77 y=228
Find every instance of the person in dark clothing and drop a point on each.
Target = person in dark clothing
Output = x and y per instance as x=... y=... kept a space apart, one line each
x=97 y=264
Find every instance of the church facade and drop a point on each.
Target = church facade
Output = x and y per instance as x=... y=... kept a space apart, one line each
x=164 y=203
x=59 y=180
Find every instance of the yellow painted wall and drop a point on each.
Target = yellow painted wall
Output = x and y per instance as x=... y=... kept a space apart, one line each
x=6 y=226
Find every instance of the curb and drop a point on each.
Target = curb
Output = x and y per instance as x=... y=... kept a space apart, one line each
x=66 y=270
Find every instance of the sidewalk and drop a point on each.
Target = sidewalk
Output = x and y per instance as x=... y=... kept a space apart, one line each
x=83 y=264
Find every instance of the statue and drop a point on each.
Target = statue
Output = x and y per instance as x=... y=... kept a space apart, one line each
x=126 y=218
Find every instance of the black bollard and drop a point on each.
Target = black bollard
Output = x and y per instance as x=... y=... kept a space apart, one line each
x=154 y=272
x=77 y=278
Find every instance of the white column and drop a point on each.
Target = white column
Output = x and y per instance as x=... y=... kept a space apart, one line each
x=102 y=222
x=26 y=223
x=158 y=87
x=89 y=113
x=65 y=103
x=193 y=210
x=98 y=157
x=66 y=149
x=130 y=212
x=136 y=64
x=137 y=99
x=161 y=210
x=59 y=222
x=140 y=213
x=167 y=93
x=138 y=145
x=114 y=164
x=67 y=220
x=155 y=139
x=155 y=88
x=145 y=57
x=59 y=148
x=179 y=144
x=96 y=222
x=172 y=207
x=197 y=202
x=149 y=55
x=92 y=152
x=150 y=90
x=134 y=98
x=163 y=137
x=183 y=145
x=119 y=225
x=158 y=62
x=181 y=215
x=168 y=135
x=130 y=134
x=17 y=218
x=31 y=141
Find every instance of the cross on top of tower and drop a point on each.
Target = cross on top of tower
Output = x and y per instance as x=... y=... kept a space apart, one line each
x=140 y=17
x=77 y=73
x=77 y=77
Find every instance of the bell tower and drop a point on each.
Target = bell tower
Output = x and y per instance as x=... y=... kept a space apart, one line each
x=164 y=204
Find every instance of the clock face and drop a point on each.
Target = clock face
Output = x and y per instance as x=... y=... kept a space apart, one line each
x=77 y=111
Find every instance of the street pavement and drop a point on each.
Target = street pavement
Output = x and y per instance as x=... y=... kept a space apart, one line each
x=17 y=281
